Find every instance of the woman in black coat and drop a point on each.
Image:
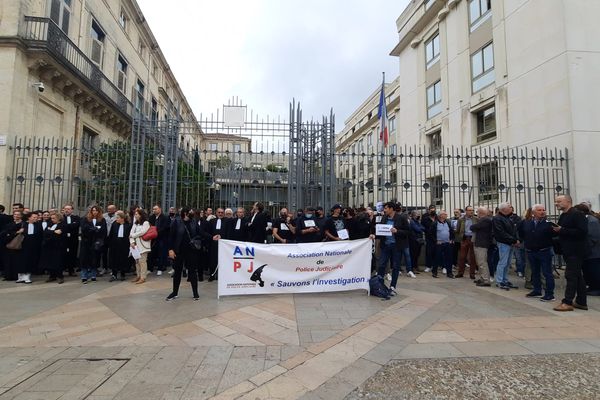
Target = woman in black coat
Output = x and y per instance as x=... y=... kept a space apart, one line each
x=32 y=246
x=11 y=257
x=93 y=235
x=54 y=244
x=118 y=243
x=183 y=253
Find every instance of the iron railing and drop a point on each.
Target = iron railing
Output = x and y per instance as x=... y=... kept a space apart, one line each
x=43 y=33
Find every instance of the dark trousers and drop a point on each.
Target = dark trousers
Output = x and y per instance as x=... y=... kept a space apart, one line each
x=493 y=258
x=591 y=274
x=430 y=254
x=158 y=259
x=185 y=259
x=70 y=255
x=575 y=284
x=389 y=252
x=213 y=258
x=541 y=264
x=105 y=260
x=415 y=253
x=444 y=257
x=467 y=252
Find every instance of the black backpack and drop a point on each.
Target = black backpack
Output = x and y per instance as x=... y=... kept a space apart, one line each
x=378 y=289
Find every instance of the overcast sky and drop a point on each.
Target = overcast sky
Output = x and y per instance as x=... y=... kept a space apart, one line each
x=327 y=53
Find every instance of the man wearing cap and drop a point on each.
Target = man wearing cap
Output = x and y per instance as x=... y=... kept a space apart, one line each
x=320 y=220
x=307 y=230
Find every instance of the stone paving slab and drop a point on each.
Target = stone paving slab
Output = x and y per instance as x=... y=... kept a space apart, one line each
x=566 y=376
x=312 y=346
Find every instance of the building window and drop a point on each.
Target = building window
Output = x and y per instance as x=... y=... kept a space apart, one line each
x=488 y=181
x=482 y=68
x=432 y=50
x=361 y=147
x=237 y=147
x=142 y=51
x=89 y=139
x=437 y=193
x=393 y=150
x=124 y=20
x=435 y=143
x=479 y=11
x=97 y=37
x=392 y=123
x=139 y=96
x=60 y=13
x=121 y=73
x=212 y=146
x=370 y=141
x=486 y=124
x=154 y=112
x=434 y=99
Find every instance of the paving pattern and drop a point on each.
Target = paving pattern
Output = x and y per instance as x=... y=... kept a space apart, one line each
x=122 y=341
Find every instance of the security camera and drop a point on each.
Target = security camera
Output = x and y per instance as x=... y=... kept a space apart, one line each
x=40 y=86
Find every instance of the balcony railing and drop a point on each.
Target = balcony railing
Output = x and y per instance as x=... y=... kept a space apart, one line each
x=43 y=33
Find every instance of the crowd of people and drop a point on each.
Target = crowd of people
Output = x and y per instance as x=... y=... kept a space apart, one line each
x=184 y=243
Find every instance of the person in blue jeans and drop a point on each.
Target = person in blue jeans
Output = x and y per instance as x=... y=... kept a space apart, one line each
x=505 y=233
x=394 y=246
x=441 y=230
x=537 y=236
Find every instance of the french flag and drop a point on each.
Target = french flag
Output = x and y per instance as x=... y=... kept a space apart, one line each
x=382 y=115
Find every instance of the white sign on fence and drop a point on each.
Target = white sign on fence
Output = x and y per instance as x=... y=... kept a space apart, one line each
x=252 y=268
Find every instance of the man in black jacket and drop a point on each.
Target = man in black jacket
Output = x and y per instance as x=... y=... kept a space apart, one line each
x=393 y=246
x=257 y=227
x=237 y=227
x=430 y=244
x=72 y=223
x=505 y=233
x=537 y=236
x=160 y=245
x=5 y=220
x=572 y=231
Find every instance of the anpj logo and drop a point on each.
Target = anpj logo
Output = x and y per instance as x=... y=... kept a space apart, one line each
x=247 y=254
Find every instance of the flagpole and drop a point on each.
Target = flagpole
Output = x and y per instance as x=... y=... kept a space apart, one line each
x=383 y=170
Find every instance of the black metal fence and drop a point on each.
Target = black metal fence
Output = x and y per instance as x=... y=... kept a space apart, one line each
x=49 y=172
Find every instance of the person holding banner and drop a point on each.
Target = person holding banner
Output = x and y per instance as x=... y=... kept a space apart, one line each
x=185 y=236
x=218 y=230
x=237 y=228
x=257 y=227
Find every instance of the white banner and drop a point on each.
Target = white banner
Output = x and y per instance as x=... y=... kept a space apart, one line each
x=252 y=268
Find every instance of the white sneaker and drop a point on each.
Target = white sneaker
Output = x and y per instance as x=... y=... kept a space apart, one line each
x=492 y=279
x=159 y=272
x=170 y=272
x=520 y=274
x=427 y=269
x=411 y=274
x=444 y=271
x=399 y=273
x=27 y=278
x=388 y=277
x=20 y=278
x=393 y=289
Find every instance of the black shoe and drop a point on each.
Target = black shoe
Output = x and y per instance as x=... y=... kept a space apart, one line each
x=61 y=281
x=434 y=275
x=579 y=306
x=533 y=294
x=185 y=273
x=452 y=276
x=196 y=298
x=93 y=279
x=84 y=281
x=478 y=281
x=112 y=278
x=502 y=286
x=510 y=285
x=483 y=284
x=548 y=298
x=172 y=296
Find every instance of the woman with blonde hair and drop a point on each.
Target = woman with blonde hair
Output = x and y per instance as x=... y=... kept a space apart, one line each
x=138 y=230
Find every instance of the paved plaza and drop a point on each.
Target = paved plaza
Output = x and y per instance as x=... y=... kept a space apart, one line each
x=439 y=338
